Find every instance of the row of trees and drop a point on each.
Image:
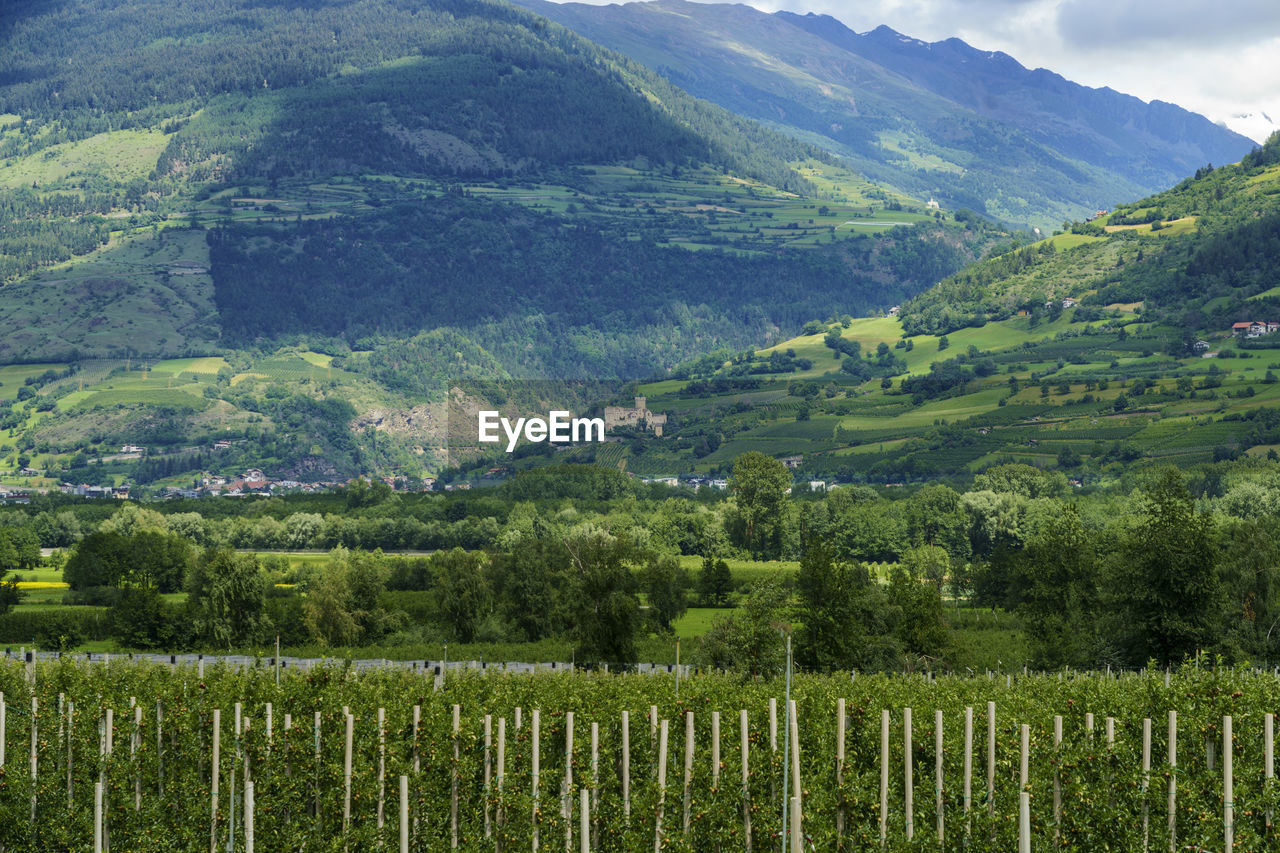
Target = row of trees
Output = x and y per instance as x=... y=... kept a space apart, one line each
x=1182 y=561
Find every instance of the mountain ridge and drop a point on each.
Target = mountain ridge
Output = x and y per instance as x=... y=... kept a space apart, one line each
x=899 y=110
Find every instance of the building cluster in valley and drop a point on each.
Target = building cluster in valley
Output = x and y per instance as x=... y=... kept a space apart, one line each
x=1254 y=328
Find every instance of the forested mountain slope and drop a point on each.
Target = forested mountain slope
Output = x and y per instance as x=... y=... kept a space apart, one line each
x=971 y=127
x=1202 y=256
x=179 y=179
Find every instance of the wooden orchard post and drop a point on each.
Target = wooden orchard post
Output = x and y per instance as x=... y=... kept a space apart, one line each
x=937 y=772
x=1268 y=760
x=626 y=764
x=1173 y=780
x=501 y=778
x=991 y=758
x=566 y=792
x=453 y=778
x=884 y=776
x=536 y=746
x=907 y=781
x=840 y=745
x=488 y=771
x=215 y=773
x=1228 y=805
x=662 y=786
x=1146 y=779
x=715 y=749
x=688 y=770
x=1057 y=778
x=248 y=817
x=968 y=765
x=404 y=814
x=746 y=784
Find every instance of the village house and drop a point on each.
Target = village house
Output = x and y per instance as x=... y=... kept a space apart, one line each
x=1254 y=328
x=792 y=462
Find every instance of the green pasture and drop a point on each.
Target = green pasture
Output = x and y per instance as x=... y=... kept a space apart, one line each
x=118 y=156
x=697 y=621
x=12 y=376
x=1062 y=242
x=178 y=366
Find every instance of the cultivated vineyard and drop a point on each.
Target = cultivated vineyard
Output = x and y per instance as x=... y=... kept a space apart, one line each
x=136 y=757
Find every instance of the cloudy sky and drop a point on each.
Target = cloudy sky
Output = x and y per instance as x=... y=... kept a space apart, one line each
x=1219 y=58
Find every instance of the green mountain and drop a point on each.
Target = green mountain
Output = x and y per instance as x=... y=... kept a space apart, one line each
x=1199 y=256
x=1096 y=352
x=972 y=128
x=371 y=170
x=291 y=225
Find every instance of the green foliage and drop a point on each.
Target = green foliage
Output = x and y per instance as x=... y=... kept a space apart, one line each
x=463 y=592
x=750 y=640
x=845 y=621
x=1167 y=583
x=145 y=558
x=1208 y=272
x=920 y=627
x=606 y=611
x=665 y=586
x=715 y=582
x=759 y=482
x=227 y=596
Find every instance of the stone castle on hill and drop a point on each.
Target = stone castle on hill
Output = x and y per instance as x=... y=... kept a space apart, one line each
x=627 y=416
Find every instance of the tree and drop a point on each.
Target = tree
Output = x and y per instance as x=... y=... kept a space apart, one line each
x=159 y=560
x=994 y=519
x=19 y=549
x=99 y=559
x=1059 y=591
x=935 y=517
x=15 y=555
x=760 y=484
x=929 y=563
x=665 y=584
x=1020 y=479
x=146 y=557
x=530 y=582
x=1166 y=580
x=750 y=640
x=919 y=625
x=227 y=598
x=464 y=595
x=140 y=619
x=842 y=614
x=715 y=582
x=603 y=595
x=343 y=602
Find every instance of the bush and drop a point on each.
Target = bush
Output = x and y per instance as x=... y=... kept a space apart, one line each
x=44 y=627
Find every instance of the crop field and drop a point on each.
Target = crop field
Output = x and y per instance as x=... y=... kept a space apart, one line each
x=157 y=758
